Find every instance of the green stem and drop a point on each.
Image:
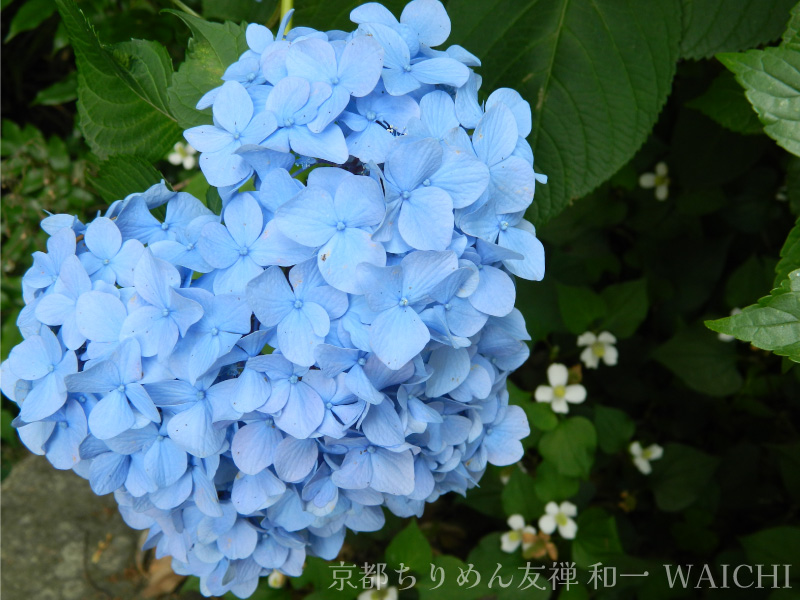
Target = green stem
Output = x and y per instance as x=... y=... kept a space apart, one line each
x=286 y=6
x=185 y=8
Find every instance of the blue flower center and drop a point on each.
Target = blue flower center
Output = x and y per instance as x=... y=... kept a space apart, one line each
x=362 y=361
x=165 y=226
x=426 y=183
x=298 y=304
x=236 y=135
x=121 y=387
x=251 y=76
x=371 y=449
x=371 y=116
x=165 y=312
x=215 y=331
x=106 y=261
x=51 y=368
x=406 y=195
x=63 y=424
x=340 y=226
x=293 y=379
x=334 y=81
x=504 y=225
x=407 y=68
x=160 y=438
x=329 y=405
x=190 y=247
x=489 y=431
x=81 y=399
x=403 y=302
x=243 y=251
x=200 y=395
x=54 y=278
x=288 y=122
x=448 y=306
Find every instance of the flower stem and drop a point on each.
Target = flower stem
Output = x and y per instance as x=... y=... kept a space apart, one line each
x=286 y=6
x=185 y=8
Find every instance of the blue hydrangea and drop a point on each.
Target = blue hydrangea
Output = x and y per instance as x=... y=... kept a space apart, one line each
x=251 y=385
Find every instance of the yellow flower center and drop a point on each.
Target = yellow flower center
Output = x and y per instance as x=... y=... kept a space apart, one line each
x=559 y=391
x=561 y=519
x=598 y=349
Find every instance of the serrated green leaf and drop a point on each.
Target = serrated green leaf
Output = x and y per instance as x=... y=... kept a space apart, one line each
x=711 y=26
x=790 y=36
x=570 y=447
x=725 y=102
x=519 y=497
x=60 y=92
x=614 y=428
x=681 y=476
x=626 y=307
x=790 y=255
x=29 y=16
x=580 y=307
x=771 y=78
x=123 y=175
x=121 y=98
x=213 y=47
x=596 y=75
x=701 y=362
x=410 y=548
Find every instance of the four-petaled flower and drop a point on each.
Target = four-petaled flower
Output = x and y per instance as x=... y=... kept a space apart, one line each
x=559 y=394
x=559 y=516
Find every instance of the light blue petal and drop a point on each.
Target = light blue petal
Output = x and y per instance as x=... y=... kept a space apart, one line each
x=295 y=459
x=233 y=107
x=450 y=368
x=392 y=472
x=270 y=296
x=360 y=65
x=441 y=70
x=108 y=472
x=111 y=416
x=165 y=462
x=397 y=335
x=423 y=271
x=426 y=219
x=495 y=137
x=303 y=412
x=327 y=144
x=523 y=239
x=253 y=446
x=429 y=19
x=382 y=425
x=100 y=316
x=308 y=218
x=194 y=432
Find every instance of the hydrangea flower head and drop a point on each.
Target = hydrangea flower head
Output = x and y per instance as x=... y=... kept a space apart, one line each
x=334 y=344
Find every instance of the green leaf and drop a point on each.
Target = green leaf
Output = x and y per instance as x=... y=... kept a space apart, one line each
x=580 y=307
x=325 y=15
x=711 y=26
x=60 y=92
x=790 y=255
x=121 y=98
x=748 y=282
x=541 y=415
x=790 y=37
x=123 y=175
x=449 y=588
x=519 y=497
x=570 y=447
x=789 y=464
x=213 y=200
x=212 y=49
x=614 y=428
x=771 y=79
x=725 y=102
x=681 y=476
x=772 y=324
x=597 y=539
x=596 y=74
x=30 y=15
x=552 y=486
x=240 y=10
x=701 y=362
x=410 y=548
x=626 y=307
x=779 y=545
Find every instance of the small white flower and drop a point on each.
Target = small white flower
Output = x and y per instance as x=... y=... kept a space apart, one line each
x=519 y=534
x=643 y=456
x=658 y=180
x=276 y=579
x=724 y=337
x=598 y=347
x=182 y=154
x=385 y=593
x=559 y=516
x=558 y=393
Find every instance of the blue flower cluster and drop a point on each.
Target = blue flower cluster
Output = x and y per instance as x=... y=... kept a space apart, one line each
x=250 y=385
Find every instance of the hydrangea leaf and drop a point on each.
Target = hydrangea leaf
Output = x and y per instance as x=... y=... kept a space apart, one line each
x=30 y=15
x=596 y=76
x=711 y=26
x=790 y=255
x=122 y=175
x=571 y=446
x=411 y=548
x=772 y=324
x=325 y=15
x=212 y=48
x=771 y=79
x=122 y=104
x=699 y=360
x=681 y=476
x=725 y=102
x=779 y=545
x=519 y=497
x=580 y=307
